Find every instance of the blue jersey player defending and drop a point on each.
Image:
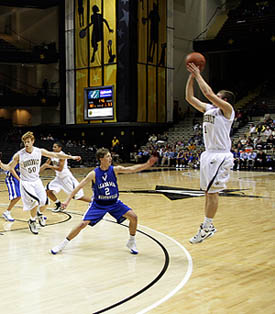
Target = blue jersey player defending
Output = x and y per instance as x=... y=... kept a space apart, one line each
x=13 y=185
x=105 y=198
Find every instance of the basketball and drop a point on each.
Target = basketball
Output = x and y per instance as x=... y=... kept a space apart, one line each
x=196 y=58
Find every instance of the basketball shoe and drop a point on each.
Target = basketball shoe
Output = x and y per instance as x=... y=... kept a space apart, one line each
x=7 y=215
x=131 y=244
x=59 y=247
x=57 y=207
x=7 y=225
x=32 y=226
x=203 y=234
x=41 y=219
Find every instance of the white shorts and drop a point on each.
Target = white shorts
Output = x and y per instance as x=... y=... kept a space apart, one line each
x=215 y=171
x=67 y=184
x=33 y=194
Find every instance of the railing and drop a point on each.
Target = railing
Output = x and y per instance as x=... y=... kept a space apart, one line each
x=21 y=42
x=26 y=48
x=7 y=87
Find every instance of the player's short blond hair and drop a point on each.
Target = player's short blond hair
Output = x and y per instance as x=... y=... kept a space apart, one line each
x=230 y=97
x=101 y=152
x=27 y=135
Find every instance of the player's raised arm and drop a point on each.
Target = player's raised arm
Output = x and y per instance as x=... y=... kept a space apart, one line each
x=136 y=168
x=189 y=95
x=90 y=177
x=207 y=91
x=48 y=154
x=11 y=165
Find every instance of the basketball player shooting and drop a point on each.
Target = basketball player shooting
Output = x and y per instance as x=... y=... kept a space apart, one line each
x=216 y=160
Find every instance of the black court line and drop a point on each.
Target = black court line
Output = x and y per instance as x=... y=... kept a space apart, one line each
x=154 y=281
x=162 y=272
x=24 y=228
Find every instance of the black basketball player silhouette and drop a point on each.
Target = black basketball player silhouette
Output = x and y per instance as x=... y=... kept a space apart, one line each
x=97 y=34
x=162 y=56
x=110 y=52
x=81 y=13
x=154 y=30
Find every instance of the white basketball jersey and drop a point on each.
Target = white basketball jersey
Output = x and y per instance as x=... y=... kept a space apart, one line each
x=65 y=172
x=216 y=129
x=29 y=164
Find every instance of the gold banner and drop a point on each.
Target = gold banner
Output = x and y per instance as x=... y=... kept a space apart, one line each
x=81 y=44
x=110 y=79
x=141 y=93
x=81 y=83
x=152 y=99
x=94 y=38
x=161 y=95
x=109 y=32
x=152 y=23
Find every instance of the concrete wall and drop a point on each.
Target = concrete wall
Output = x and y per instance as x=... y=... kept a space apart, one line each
x=190 y=19
x=35 y=25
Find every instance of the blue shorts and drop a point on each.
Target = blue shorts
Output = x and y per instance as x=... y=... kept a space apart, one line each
x=97 y=211
x=13 y=186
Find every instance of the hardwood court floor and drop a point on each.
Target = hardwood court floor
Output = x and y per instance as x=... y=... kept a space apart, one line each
x=231 y=273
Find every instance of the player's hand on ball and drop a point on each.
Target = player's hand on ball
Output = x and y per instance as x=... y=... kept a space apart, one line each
x=192 y=68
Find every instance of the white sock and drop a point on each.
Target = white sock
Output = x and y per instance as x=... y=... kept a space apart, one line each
x=57 y=201
x=132 y=238
x=64 y=242
x=33 y=218
x=38 y=210
x=207 y=222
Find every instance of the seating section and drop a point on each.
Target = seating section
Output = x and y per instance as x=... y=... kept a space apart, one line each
x=249 y=20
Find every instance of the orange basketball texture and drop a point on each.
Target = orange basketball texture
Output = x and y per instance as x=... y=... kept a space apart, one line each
x=196 y=58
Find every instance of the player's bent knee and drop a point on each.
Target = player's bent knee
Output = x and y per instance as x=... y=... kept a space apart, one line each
x=84 y=224
x=131 y=216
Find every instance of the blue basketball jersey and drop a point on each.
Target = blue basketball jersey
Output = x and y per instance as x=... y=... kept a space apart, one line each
x=105 y=187
x=13 y=184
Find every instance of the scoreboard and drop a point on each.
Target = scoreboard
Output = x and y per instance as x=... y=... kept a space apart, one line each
x=98 y=103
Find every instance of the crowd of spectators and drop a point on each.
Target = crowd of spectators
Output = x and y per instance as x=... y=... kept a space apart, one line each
x=256 y=149
x=12 y=140
x=13 y=135
x=179 y=154
x=253 y=8
x=253 y=150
